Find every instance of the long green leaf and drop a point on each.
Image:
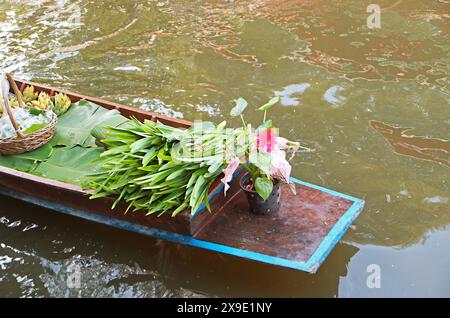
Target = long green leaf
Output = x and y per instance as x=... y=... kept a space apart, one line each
x=75 y=126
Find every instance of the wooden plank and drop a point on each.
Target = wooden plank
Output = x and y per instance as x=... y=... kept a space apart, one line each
x=290 y=237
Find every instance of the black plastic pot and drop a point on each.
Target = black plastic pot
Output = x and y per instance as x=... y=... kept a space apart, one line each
x=257 y=204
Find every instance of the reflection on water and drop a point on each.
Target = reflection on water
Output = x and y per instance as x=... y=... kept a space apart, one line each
x=399 y=269
x=413 y=42
x=287 y=95
x=332 y=96
x=415 y=146
x=339 y=83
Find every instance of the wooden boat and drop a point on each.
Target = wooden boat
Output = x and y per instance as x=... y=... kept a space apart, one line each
x=299 y=236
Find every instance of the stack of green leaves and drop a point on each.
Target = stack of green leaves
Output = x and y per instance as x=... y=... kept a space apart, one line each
x=158 y=168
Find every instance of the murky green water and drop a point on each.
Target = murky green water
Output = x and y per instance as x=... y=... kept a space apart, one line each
x=348 y=92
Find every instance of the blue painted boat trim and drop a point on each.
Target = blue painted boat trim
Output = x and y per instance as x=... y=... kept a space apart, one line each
x=203 y=206
x=332 y=192
x=311 y=265
x=333 y=237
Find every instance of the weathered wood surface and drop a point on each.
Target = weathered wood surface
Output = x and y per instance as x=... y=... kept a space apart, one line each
x=293 y=234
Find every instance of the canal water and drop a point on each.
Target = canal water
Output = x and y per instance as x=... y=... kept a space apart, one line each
x=372 y=104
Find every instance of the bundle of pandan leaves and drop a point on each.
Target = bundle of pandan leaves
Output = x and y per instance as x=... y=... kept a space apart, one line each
x=59 y=103
x=158 y=168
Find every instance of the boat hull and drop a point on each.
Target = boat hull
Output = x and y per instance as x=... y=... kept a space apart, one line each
x=300 y=236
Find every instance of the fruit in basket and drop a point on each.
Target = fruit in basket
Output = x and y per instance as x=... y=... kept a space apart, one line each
x=44 y=102
x=41 y=101
x=29 y=94
x=61 y=104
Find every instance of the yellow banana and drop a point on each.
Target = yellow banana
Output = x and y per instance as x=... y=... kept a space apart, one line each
x=62 y=103
x=29 y=94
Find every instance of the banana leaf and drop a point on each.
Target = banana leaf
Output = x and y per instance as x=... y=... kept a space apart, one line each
x=69 y=165
x=75 y=126
x=26 y=162
x=24 y=165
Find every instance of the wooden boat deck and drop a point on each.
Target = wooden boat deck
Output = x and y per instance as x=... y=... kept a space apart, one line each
x=299 y=236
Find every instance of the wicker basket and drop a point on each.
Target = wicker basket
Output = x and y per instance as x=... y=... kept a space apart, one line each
x=21 y=143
